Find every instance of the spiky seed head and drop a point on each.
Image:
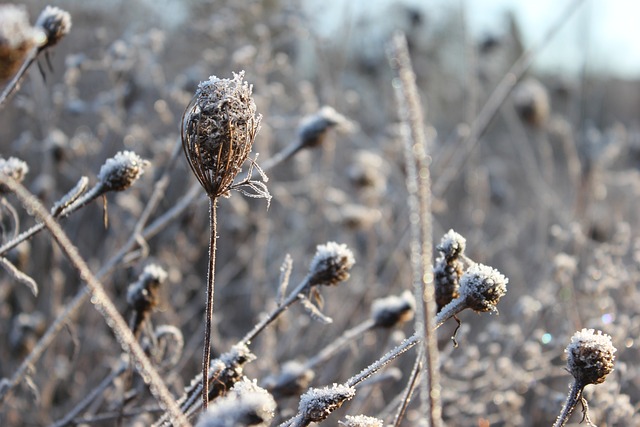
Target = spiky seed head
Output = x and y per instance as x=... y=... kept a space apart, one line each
x=121 y=171
x=13 y=167
x=318 y=403
x=246 y=404
x=17 y=38
x=590 y=356
x=361 y=421
x=55 y=23
x=331 y=264
x=219 y=127
x=393 y=310
x=482 y=287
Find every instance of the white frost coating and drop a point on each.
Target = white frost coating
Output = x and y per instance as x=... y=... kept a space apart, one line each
x=317 y=403
x=15 y=30
x=13 y=167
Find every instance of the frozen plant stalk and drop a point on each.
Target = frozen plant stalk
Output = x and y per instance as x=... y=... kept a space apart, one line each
x=590 y=357
x=218 y=130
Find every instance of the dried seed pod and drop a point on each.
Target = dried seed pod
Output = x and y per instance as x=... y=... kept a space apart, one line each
x=590 y=356
x=331 y=264
x=481 y=287
x=55 y=23
x=219 y=127
x=318 y=403
x=393 y=310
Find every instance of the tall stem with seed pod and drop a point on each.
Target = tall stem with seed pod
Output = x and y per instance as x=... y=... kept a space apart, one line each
x=218 y=129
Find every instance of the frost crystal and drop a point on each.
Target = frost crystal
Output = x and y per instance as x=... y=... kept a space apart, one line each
x=590 y=356
x=331 y=264
x=121 y=171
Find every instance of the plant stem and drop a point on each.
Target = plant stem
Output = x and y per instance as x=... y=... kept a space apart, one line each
x=206 y=353
x=574 y=396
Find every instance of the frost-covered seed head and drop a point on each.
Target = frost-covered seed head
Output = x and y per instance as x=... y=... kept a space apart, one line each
x=142 y=295
x=318 y=403
x=17 y=37
x=313 y=129
x=482 y=287
x=361 y=421
x=219 y=127
x=55 y=23
x=246 y=404
x=590 y=356
x=531 y=101
x=13 y=167
x=292 y=380
x=331 y=264
x=121 y=171
x=452 y=245
x=392 y=310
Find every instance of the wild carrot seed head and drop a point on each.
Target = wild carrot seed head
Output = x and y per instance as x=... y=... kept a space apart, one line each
x=219 y=127
x=590 y=356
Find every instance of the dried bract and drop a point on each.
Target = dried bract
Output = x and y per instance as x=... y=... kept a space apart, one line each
x=219 y=127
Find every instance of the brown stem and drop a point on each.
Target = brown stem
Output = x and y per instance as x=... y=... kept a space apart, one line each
x=206 y=353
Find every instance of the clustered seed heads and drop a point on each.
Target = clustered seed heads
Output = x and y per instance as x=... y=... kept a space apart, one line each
x=393 y=310
x=318 y=403
x=482 y=286
x=121 y=171
x=55 y=23
x=590 y=356
x=331 y=264
x=246 y=404
x=13 y=167
x=17 y=38
x=448 y=268
x=219 y=127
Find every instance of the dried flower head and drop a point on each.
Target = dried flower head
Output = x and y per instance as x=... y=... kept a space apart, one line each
x=121 y=171
x=331 y=264
x=318 y=403
x=13 y=167
x=392 y=310
x=291 y=381
x=142 y=296
x=246 y=404
x=590 y=356
x=531 y=101
x=219 y=127
x=368 y=172
x=448 y=268
x=17 y=38
x=361 y=421
x=481 y=287
x=55 y=23
x=314 y=128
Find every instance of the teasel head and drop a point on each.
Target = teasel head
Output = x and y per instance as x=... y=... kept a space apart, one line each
x=219 y=127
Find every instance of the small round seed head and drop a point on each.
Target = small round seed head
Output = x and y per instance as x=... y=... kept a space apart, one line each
x=318 y=403
x=142 y=295
x=17 y=38
x=331 y=264
x=361 y=421
x=482 y=287
x=13 y=167
x=246 y=404
x=313 y=129
x=219 y=127
x=452 y=245
x=590 y=356
x=121 y=171
x=393 y=310
x=531 y=101
x=291 y=381
x=55 y=23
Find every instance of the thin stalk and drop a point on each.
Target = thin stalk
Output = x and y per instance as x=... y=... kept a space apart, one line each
x=408 y=391
x=206 y=353
x=574 y=396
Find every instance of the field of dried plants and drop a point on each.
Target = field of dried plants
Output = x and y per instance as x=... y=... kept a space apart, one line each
x=314 y=279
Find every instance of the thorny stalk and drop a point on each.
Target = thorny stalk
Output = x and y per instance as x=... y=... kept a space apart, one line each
x=419 y=188
x=102 y=302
